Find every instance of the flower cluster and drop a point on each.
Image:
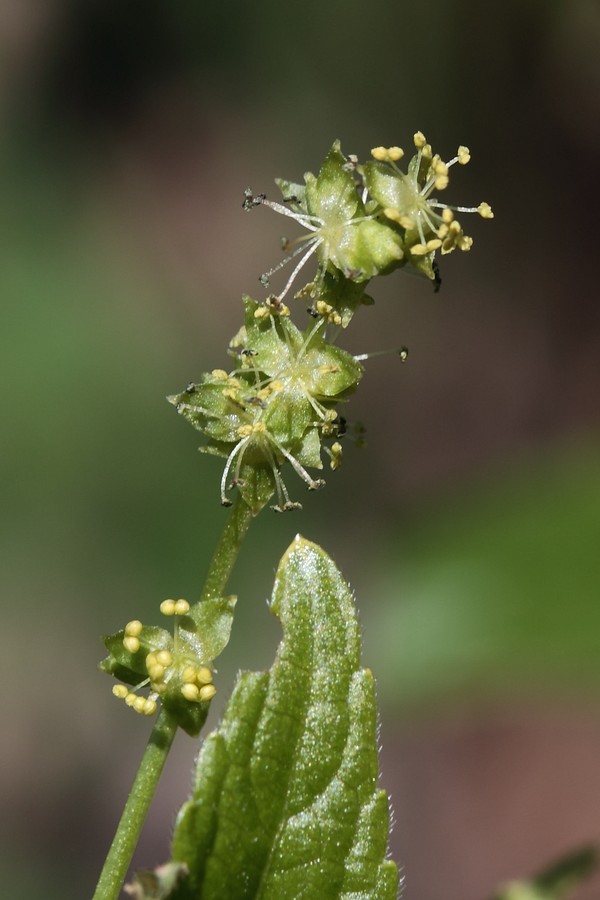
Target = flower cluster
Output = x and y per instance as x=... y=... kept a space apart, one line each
x=279 y=403
x=366 y=220
x=177 y=668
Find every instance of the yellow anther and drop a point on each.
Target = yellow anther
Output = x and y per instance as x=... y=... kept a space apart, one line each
x=167 y=607
x=323 y=308
x=395 y=153
x=404 y=221
x=190 y=691
x=336 y=455
x=447 y=215
x=149 y=707
x=442 y=231
x=433 y=244
x=419 y=250
x=159 y=688
x=189 y=674
x=134 y=628
x=138 y=704
x=330 y=415
x=264 y=393
x=391 y=213
x=419 y=139
x=219 y=374
x=441 y=182
x=427 y=152
x=182 y=607
x=464 y=155
x=259 y=428
x=277 y=307
x=244 y=431
x=464 y=243
x=233 y=382
x=156 y=673
x=164 y=658
x=379 y=153
x=207 y=692
x=485 y=211
x=276 y=385
x=130 y=698
x=203 y=675
x=150 y=660
x=131 y=643
x=120 y=691
x=231 y=394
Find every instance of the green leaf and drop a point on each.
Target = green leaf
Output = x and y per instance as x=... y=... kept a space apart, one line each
x=286 y=803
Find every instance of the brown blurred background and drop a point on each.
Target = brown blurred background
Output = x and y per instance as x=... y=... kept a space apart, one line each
x=470 y=523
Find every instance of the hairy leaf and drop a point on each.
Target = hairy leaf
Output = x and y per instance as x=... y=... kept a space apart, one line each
x=286 y=803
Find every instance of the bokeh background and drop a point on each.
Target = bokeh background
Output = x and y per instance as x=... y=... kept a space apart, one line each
x=469 y=525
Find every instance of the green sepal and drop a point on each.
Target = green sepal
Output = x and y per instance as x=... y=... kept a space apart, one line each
x=189 y=716
x=257 y=484
x=344 y=295
x=286 y=802
x=206 y=629
x=395 y=191
x=359 y=249
x=294 y=194
x=128 y=667
x=209 y=408
x=332 y=195
x=386 y=186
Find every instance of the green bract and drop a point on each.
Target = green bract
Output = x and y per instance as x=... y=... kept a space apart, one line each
x=279 y=405
x=286 y=803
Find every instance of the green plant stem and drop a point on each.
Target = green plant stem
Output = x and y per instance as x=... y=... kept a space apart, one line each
x=141 y=794
x=227 y=550
x=152 y=763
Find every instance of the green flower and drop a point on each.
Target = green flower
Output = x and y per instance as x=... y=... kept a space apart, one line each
x=278 y=406
x=407 y=199
x=177 y=668
x=345 y=238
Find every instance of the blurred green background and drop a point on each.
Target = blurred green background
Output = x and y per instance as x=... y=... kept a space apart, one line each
x=469 y=525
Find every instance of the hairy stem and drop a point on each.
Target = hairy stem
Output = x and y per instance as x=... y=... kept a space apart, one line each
x=152 y=763
x=141 y=794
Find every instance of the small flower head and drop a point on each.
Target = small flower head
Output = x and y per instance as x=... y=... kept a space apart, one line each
x=277 y=407
x=409 y=200
x=346 y=239
x=175 y=669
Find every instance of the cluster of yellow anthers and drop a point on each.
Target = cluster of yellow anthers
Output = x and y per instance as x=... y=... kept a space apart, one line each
x=165 y=668
x=415 y=207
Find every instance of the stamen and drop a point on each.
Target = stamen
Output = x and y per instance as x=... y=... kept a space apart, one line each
x=224 y=500
x=402 y=352
x=313 y=223
x=316 y=242
x=264 y=278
